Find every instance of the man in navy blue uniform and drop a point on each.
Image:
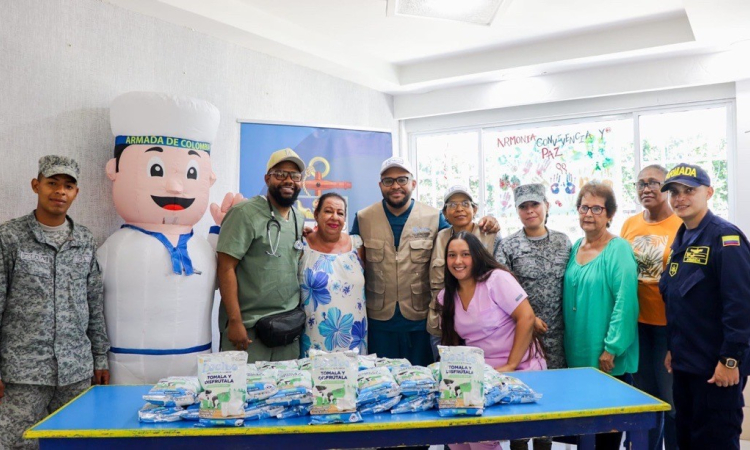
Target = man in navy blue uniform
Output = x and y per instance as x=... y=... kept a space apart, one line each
x=706 y=287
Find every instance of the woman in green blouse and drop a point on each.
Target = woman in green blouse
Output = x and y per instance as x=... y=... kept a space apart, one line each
x=600 y=295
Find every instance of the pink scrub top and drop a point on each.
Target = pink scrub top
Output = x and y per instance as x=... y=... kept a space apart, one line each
x=488 y=324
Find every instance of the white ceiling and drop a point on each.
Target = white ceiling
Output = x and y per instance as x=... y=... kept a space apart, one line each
x=356 y=40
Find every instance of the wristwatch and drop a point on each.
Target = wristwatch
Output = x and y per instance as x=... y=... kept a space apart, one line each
x=729 y=363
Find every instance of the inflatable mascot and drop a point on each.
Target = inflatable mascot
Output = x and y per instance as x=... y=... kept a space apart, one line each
x=160 y=279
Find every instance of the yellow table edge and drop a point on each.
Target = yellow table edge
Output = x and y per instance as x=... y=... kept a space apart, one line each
x=339 y=428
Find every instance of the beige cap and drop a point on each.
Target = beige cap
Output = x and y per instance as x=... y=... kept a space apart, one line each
x=286 y=154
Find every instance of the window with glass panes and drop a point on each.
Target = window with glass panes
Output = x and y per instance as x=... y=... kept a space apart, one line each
x=564 y=155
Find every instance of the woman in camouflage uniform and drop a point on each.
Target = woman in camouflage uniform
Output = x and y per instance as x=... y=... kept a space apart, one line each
x=538 y=257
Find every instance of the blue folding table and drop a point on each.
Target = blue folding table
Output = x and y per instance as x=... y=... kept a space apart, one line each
x=575 y=402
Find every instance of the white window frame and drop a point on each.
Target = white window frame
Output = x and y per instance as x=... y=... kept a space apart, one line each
x=570 y=119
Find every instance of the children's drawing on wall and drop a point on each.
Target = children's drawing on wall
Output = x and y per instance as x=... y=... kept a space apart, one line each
x=563 y=158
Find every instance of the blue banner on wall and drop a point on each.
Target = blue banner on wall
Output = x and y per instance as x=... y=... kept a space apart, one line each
x=343 y=161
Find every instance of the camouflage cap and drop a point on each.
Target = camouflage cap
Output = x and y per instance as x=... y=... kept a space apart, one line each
x=529 y=193
x=56 y=165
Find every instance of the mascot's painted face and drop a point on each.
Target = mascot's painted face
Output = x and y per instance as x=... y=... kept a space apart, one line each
x=161 y=184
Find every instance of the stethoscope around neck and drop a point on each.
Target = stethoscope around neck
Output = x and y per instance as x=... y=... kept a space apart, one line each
x=274 y=223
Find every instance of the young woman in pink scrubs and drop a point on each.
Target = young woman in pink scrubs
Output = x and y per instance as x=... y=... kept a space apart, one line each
x=483 y=306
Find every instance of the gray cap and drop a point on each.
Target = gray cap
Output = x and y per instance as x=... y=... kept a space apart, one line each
x=396 y=161
x=59 y=165
x=457 y=189
x=529 y=193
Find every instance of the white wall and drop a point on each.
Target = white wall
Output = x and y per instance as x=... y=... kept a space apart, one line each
x=63 y=61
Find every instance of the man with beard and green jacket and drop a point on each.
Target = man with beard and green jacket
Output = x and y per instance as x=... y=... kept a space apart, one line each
x=259 y=246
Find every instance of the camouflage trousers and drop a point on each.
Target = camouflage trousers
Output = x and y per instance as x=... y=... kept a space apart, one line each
x=26 y=404
x=554 y=344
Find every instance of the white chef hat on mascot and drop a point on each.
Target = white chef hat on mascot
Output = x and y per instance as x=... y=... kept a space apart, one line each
x=161 y=120
x=162 y=115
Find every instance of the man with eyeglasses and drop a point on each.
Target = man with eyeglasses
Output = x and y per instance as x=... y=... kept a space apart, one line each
x=258 y=250
x=399 y=235
x=706 y=288
x=651 y=233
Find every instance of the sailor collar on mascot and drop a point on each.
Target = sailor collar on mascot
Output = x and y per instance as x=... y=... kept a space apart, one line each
x=161 y=170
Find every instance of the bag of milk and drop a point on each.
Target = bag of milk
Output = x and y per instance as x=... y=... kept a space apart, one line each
x=392 y=363
x=192 y=412
x=449 y=412
x=415 y=403
x=261 y=384
x=294 y=387
x=494 y=386
x=151 y=413
x=304 y=364
x=376 y=384
x=435 y=368
x=281 y=365
x=257 y=412
x=334 y=378
x=174 y=391
x=294 y=411
x=379 y=406
x=367 y=361
x=462 y=380
x=223 y=377
x=327 y=419
x=289 y=379
x=415 y=380
x=516 y=391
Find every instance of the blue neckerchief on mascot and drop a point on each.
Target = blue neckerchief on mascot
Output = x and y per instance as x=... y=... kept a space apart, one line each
x=180 y=259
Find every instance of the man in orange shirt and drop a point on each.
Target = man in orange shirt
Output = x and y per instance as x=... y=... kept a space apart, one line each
x=651 y=234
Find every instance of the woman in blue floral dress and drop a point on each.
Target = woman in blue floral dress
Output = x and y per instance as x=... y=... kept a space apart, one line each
x=332 y=282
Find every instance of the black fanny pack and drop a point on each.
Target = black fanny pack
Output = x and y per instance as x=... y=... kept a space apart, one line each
x=281 y=329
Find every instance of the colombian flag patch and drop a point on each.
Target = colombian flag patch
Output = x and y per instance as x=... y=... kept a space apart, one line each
x=729 y=241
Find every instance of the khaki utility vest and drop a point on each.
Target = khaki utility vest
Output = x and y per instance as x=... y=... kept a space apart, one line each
x=437 y=270
x=398 y=276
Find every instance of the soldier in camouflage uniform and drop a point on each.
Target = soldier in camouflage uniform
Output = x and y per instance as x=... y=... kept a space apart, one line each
x=538 y=257
x=53 y=341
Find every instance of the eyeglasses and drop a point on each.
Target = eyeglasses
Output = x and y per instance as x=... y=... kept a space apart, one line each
x=595 y=210
x=388 y=182
x=466 y=204
x=282 y=174
x=653 y=185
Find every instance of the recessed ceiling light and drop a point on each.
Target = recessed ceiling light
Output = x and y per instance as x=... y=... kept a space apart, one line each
x=479 y=12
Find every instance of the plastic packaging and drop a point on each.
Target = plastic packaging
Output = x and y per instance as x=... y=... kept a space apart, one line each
x=174 y=391
x=376 y=384
x=324 y=419
x=223 y=377
x=462 y=378
x=261 y=384
x=415 y=380
x=151 y=413
x=334 y=378
x=379 y=406
x=415 y=404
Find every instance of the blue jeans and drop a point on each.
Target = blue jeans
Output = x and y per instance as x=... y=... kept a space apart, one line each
x=653 y=378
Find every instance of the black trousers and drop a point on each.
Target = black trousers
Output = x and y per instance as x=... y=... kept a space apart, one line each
x=708 y=417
